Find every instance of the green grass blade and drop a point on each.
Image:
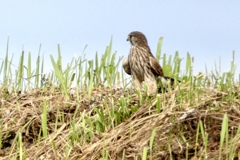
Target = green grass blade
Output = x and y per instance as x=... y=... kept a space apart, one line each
x=159 y=48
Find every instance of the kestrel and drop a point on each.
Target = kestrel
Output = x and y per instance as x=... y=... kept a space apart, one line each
x=142 y=65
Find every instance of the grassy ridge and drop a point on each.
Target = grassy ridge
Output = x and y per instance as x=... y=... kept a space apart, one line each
x=42 y=116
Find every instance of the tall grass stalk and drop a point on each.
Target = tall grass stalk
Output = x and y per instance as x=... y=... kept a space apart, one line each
x=151 y=141
x=144 y=154
x=44 y=120
x=159 y=48
x=20 y=146
x=224 y=135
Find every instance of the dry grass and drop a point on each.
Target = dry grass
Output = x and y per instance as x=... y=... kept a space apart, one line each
x=177 y=124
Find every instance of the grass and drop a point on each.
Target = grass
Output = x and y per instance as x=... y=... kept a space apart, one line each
x=44 y=117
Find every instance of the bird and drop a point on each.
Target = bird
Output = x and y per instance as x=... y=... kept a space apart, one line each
x=142 y=65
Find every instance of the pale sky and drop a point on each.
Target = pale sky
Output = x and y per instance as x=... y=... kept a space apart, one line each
x=208 y=30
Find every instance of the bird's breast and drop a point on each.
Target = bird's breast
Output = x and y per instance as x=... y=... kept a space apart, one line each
x=138 y=61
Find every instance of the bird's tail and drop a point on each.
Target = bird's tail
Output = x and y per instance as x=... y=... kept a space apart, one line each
x=171 y=79
x=165 y=81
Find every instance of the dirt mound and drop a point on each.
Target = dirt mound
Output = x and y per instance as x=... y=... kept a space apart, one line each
x=179 y=126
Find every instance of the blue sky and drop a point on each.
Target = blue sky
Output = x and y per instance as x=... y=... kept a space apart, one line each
x=206 y=29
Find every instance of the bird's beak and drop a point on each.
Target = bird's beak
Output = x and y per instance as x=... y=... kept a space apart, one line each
x=128 y=39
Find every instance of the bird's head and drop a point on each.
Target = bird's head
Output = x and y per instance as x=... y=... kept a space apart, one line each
x=137 y=39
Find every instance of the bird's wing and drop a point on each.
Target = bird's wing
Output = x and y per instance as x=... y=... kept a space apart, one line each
x=156 y=66
x=126 y=66
x=157 y=69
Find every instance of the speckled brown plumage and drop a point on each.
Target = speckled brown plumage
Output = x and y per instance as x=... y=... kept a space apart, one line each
x=141 y=64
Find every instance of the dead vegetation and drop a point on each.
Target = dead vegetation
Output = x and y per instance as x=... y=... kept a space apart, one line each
x=176 y=125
